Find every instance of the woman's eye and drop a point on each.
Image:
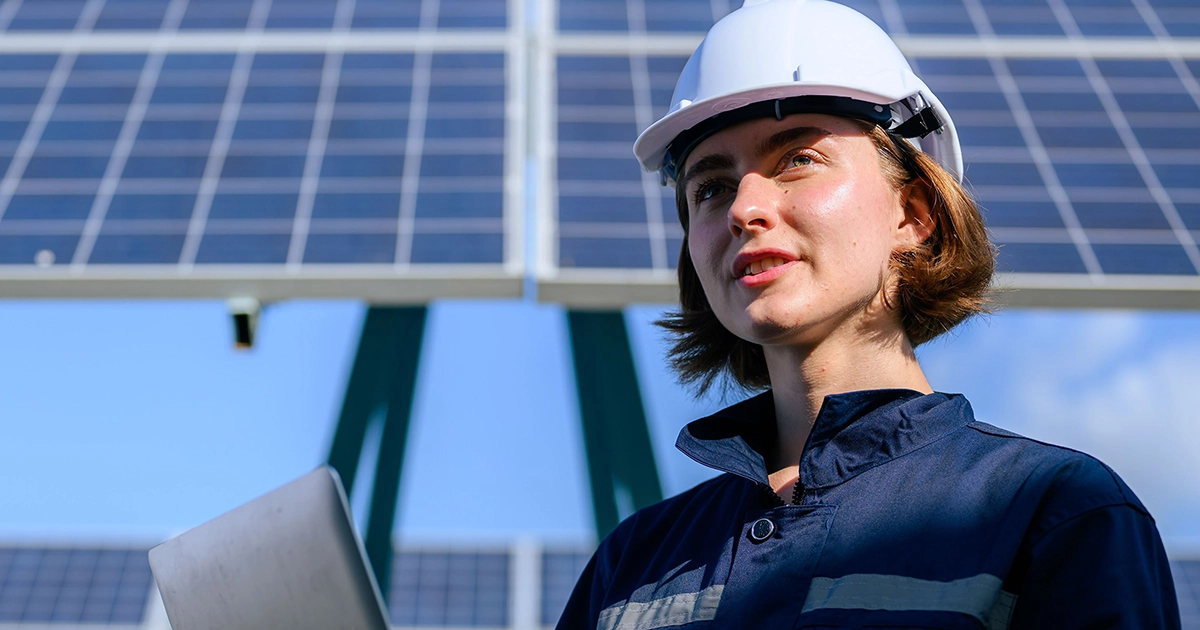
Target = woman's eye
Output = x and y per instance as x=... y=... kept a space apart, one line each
x=800 y=160
x=708 y=191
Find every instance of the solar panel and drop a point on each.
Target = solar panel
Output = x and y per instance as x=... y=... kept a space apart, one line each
x=268 y=154
x=450 y=588
x=1085 y=164
x=560 y=571
x=1187 y=590
x=67 y=585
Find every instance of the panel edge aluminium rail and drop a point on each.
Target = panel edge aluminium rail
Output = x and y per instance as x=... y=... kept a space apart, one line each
x=616 y=288
x=378 y=284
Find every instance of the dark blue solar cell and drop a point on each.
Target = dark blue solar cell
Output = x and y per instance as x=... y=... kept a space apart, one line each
x=336 y=165
x=282 y=129
x=75 y=166
x=277 y=22
x=464 y=128
x=1136 y=68
x=1039 y=258
x=1079 y=137
x=281 y=94
x=471 y=21
x=620 y=169
x=374 y=93
x=594 y=208
x=214 y=22
x=110 y=62
x=1144 y=259
x=1003 y=174
x=1113 y=29
x=132 y=249
x=1190 y=213
x=151 y=206
x=350 y=248
x=171 y=166
x=1142 y=102
x=604 y=252
x=1168 y=137
x=1102 y=175
x=188 y=94
x=177 y=130
x=978 y=135
x=918 y=26
x=460 y=205
x=253 y=206
x=567 y=23
x=356 y=205
x=94 y=95
x=246 y=249
x=597 y=131
x=985 y=101
x=457 y=248
x=297 y=61
x=680 y=23
x=1039 y=214
x=593 y=64
x=1027 y=28
x=21 y=23
x=471 y=165
x=595 y=96
x=1045 y=67
x=26 y=61
x=377 y=61
x=1133 y=216
x=52 y=207
x=1178 y=175
x=82 y=130
x=197 y=61
x=127 y=23
x=1062 y=102
x=263 y=166
x=666 y=65
x=465 y=94
x=378 y=128
x=20 y=95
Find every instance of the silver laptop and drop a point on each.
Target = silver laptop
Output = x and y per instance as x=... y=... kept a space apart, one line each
x=288 y=559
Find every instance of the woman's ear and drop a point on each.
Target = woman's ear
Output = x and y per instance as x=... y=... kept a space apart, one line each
x=918 y=223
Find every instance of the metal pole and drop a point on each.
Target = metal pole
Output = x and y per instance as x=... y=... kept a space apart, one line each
x=620 y=457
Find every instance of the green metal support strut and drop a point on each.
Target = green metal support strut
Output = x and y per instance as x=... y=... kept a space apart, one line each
x=383 y=378
x=620 y=458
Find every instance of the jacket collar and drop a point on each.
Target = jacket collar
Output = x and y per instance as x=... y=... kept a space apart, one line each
x=854 y=432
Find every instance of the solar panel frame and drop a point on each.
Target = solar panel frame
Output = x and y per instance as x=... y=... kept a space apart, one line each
x=449 y=254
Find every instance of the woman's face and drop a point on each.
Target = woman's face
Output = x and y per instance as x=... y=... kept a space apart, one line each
x=792 y=226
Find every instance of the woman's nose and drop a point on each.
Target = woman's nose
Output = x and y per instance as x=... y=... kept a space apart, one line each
x=754 y=205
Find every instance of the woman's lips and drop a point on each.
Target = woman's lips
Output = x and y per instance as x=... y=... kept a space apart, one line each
x=765 y=276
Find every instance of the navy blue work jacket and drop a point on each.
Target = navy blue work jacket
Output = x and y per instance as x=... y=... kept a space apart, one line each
x=912 y=515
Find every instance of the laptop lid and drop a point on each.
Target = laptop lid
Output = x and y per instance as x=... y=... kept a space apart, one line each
x=288 y=559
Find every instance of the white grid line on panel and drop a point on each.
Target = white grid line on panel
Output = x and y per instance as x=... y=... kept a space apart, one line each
x=8 y=10
x=1033 y=140
x=516 y=146
x=41 y=113
x=231 y=109
x=125 y=139
x=414 y=144
x=545 y=115
x=395 y=40
x=643 y=108
x=893 y=17
x=1128 y=138
x=318 y=139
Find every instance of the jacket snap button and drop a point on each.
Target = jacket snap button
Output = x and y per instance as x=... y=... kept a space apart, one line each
x=762 y=529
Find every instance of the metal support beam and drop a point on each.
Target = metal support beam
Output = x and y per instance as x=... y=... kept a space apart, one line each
x=620 y=458
x=383 y=377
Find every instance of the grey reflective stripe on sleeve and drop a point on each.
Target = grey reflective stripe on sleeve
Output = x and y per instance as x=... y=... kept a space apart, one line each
x=979 y=596
x=664 y=612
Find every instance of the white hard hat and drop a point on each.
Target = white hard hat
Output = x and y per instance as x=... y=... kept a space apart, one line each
x=781 y=57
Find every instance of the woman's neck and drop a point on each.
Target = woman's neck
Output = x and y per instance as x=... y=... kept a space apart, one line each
x=802 y=376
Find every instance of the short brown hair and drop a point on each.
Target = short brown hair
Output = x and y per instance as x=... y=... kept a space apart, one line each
x=939 y=283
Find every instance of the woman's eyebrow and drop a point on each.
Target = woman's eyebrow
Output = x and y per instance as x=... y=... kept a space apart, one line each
x=788 y=136
x=711 y=162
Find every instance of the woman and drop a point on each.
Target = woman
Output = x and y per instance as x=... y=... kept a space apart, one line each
x=821 y=246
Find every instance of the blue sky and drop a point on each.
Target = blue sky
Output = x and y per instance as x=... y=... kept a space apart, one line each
x=132 y=421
